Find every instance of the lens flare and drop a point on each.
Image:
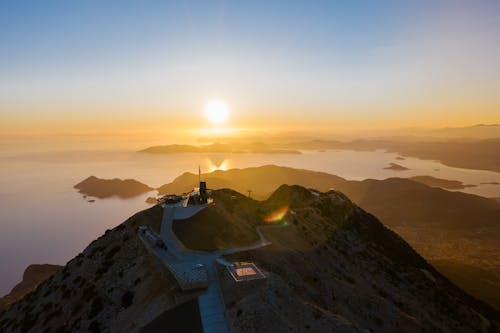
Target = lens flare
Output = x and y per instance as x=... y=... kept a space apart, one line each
x=277 y=215
x=224 y=165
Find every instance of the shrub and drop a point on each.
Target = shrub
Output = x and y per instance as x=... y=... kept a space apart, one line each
x=96 y=307
x=77 y=308
x=28 y=322
x=94 y=327
x=127 y=299
x=317 y=314
x=51 y=315
x=89 y=292
x=112 y=252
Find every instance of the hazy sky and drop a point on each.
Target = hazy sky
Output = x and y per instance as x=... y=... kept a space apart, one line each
x=69 y=66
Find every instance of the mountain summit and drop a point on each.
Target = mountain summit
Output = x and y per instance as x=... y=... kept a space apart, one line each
x=330 y=266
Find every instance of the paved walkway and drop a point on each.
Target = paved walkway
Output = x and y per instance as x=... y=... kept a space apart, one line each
x=211 y=302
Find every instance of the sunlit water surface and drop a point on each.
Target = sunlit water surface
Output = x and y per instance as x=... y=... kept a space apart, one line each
x=44 y=220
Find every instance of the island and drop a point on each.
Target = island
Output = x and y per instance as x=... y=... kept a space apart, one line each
x=396 y=167
x=151 y=200
x=439 y=182
x=105 y=188
x=477 y=154
x=253 y=148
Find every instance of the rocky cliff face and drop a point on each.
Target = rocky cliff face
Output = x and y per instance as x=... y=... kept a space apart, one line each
x=32 y=277
x=331 y=267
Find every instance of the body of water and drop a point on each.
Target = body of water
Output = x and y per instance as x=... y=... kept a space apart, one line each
x=44 y=220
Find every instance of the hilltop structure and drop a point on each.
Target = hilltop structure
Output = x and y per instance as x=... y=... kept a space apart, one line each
x=197 y=269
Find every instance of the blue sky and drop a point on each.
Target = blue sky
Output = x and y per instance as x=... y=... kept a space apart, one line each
x=51 y=34
x=343 y=61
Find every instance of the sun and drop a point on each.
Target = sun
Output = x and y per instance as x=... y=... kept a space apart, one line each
x=217 y=111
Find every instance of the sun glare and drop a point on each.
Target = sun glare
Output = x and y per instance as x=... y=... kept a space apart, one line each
x=221 y=166
x=217 y=112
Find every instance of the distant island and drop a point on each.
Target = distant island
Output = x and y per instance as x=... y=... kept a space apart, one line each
x=480 y=154
x=439 y=182
x=396 y=167
x=253 y=148
x=151 y=200
x=105 y=188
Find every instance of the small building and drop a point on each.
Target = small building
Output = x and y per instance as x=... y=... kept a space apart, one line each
x=245 y=271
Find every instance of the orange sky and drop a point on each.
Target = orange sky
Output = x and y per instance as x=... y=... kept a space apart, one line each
x=152 y=67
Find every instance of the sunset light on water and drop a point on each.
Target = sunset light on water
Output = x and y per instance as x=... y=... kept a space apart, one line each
x=213 y=166
x=250 y=166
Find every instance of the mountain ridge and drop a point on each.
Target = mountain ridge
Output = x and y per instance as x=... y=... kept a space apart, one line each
x=461 y=229
x=332 y=266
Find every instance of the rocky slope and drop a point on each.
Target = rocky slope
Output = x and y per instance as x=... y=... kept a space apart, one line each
x=336 y=267
x=33 y=275
x=331 y=267
x=113 y=285
x=457 y=230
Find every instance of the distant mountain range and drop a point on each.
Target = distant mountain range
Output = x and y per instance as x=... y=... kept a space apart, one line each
x=480 y=131
x=469 y=154
x=254 y=148
x=330 y=267
x=478 y=154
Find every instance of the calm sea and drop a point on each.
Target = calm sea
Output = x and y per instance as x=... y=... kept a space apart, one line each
x=44 y=220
